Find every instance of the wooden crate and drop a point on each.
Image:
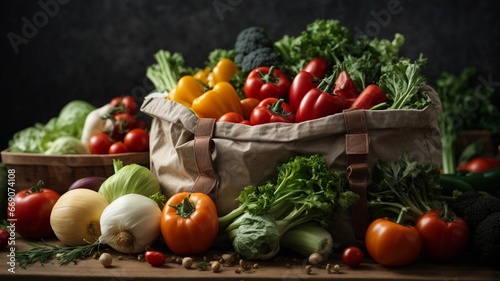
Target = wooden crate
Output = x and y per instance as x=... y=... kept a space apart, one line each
x=58 y=172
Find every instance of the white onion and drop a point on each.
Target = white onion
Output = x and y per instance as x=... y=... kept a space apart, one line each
x=130 y=223
x=75 y=216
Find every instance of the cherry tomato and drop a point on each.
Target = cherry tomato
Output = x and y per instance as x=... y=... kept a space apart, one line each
x=137 y=140
x=444 y=235
x=4 y=238
x=118 y=147
x=32 y=211
x=352 y=256
x=115 y=102
x=247 y=105
x=130 y=105
x=391 y=243
x=100 y=143
x=127 y=104
x=232 y=117
x=123 y=123
x=155 y=258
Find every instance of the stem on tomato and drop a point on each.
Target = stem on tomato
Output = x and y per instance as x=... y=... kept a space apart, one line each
x=185 y=208
x=36 y=188
x=446 y=214
x=268 y=77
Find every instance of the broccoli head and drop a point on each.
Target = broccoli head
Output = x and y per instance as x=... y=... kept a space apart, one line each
x=260 y=57
x=463 y=201
x=480 y=209
x=486 y=240
x=250 y=39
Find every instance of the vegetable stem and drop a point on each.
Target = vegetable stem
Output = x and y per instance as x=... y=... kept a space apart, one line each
x=401 y=215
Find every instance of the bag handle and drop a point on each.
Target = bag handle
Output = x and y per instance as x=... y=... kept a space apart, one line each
x=207 y=180
x=357 y=149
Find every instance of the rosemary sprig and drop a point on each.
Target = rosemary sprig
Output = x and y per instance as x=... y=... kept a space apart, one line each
x=44 y=252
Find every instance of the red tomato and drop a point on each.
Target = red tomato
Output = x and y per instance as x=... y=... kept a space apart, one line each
x=155 y=258
x=272 y=110
x=232 y=117
x=318 y=67
x=118 y=147
x=247 y=105
x=266 y=82
x=480 y=164
x=130 y=105
x=32 y=211
x=444 y=235
x=123 y=123
x=127 y=104
x=4 y=238
x=100 y=143
x=391 y=243
x=115 y=102
x=352 y=256
x=137 y=140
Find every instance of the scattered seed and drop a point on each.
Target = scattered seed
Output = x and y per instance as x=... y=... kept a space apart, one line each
x=215 y=266
x=187 y=262
x=228 y=258
x=106 y=259
x=308 y=269
x=315 y=258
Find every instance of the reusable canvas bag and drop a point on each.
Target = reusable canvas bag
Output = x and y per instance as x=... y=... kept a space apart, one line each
x=219 y=158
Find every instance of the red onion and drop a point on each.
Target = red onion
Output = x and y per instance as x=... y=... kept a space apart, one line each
x=92 y=183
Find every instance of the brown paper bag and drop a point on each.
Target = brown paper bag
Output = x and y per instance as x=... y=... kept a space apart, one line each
x=220 y=159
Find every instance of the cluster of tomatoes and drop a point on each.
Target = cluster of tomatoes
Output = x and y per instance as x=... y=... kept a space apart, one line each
x=128 y=133
x=313 y=93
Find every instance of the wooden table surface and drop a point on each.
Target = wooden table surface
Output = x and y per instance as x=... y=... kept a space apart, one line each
x=281 y=268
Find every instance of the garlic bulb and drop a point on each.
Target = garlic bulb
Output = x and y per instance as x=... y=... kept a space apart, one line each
x=75 y=217
x=130 y=223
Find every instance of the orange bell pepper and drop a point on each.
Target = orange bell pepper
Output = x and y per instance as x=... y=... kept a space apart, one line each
x=217 y=102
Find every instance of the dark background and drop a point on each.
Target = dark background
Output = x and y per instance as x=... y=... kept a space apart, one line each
x=94 y=50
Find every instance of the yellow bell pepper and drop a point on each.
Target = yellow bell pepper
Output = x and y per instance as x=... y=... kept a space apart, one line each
x=187 y=89
x=203 y=75
x=217 y=102
x=223 y=71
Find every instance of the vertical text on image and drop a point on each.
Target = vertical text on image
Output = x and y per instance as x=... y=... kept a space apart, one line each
x=11 y=219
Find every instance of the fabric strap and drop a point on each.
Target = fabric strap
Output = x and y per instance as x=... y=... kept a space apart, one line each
x=207 y=181
x=357 y=149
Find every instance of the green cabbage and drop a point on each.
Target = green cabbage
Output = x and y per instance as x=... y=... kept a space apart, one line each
x=132 y=178
x=72 y=117
x=69 y=122
x=66 y=145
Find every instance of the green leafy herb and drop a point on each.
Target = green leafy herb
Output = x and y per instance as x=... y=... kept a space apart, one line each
x=45 y=252
x=305 y=190
x=324 y=38
x=402 y=82
x=403 y=183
